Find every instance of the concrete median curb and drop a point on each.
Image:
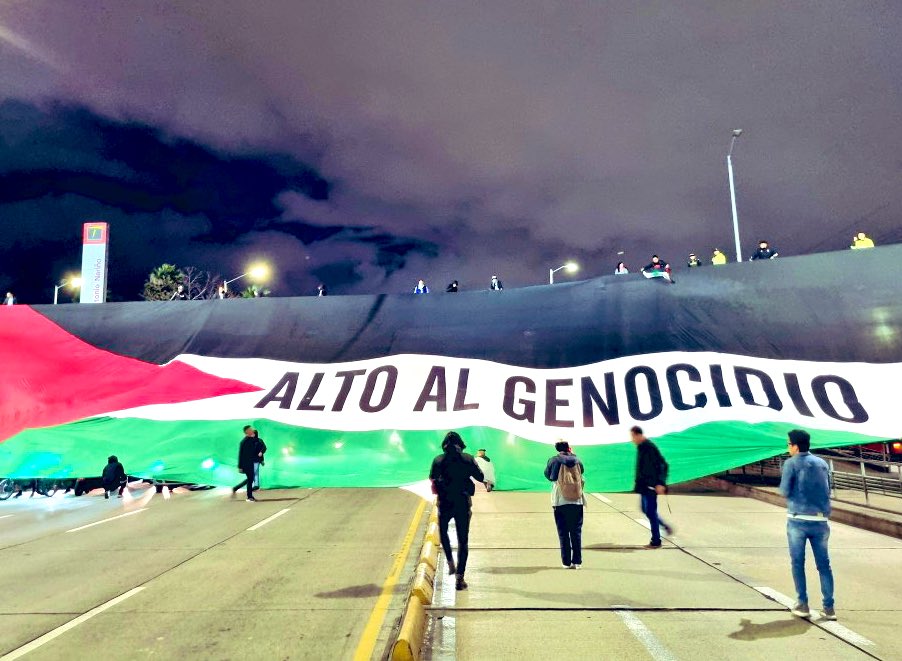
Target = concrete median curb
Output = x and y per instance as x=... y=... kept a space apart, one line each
x=413 y=629
x=413 y=624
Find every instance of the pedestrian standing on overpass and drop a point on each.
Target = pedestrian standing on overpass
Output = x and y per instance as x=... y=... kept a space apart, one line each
x=806 y=485
x=248 y=456
x=651 y=482
x=451 y=475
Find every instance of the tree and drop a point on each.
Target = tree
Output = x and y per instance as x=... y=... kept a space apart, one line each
x=163 y=282
x=255 y=291
x=201 y=284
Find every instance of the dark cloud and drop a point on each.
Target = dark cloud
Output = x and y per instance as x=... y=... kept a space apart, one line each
x=168 y=199
x=466 y=138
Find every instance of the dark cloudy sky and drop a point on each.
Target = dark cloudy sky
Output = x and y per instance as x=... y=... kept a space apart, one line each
x=371 y=143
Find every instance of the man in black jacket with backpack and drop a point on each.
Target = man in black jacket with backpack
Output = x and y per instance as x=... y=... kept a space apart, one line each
x=651 y=481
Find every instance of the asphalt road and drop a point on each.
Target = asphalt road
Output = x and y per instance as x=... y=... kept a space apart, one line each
x=187 y=577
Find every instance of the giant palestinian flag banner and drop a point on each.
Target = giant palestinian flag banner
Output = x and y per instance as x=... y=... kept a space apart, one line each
x=359 y=391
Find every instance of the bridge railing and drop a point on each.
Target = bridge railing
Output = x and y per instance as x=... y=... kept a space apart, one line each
x=853 y=469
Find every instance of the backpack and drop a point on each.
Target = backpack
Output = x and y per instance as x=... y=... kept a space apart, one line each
x=570 y=482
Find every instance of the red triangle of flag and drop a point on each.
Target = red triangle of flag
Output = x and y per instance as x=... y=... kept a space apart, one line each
x=51 y=377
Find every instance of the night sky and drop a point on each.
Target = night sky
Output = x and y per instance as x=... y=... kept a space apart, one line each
x=369 y=144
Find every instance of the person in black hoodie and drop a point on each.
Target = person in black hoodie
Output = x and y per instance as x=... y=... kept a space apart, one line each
x=113 y=476
x=651 y=481
x=568 y=511
x=451 y=474
x=248 y=456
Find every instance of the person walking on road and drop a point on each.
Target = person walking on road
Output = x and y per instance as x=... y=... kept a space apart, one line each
x=452 y=474
x=651 y=482
x=248 y=455
x=259 y=451
x=113 y=477
x=805 y=483
x=565 y=472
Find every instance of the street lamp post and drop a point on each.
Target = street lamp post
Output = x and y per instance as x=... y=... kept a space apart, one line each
x=257 y=273
x=75 y=283
x=570 y=266
x=736 y=134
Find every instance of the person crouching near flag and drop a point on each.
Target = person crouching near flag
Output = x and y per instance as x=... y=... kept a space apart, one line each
x=657 y=268
x=565 y=472
x=651 y=482
x=451 y=474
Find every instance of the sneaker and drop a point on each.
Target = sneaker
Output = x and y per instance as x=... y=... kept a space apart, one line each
x=106 y=495
x=251 y=500
x=119 y=496
x=452 y=568
x=575 y=566
x=800 y=610
x=652 y=546
x=829 y=613
x=461 y=583
x=567 y=566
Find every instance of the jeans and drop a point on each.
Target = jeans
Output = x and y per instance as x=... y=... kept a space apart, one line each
x=818 y=533
x=569 y=522
x=650 y=509
x=459 y=510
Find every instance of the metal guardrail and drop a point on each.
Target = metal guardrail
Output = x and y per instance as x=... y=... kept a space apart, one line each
x=888 y=484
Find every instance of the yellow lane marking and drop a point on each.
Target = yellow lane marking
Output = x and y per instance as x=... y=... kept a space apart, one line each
x=373 y=626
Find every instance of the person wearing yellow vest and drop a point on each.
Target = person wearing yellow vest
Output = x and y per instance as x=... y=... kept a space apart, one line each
x=861 y=240
x=718 y=258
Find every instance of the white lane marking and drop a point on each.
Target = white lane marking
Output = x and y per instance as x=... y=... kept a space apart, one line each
x=268 y=519
x=6 y=516
x=606 y=501
x=112 y=518
x=643 y=634
x=832 y=626
x=643 y=522
x=71 y=624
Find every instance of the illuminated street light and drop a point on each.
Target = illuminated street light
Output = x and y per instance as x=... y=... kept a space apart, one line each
x=71 y=281
x=257 y=272
x=570 y=267
x=736 y=134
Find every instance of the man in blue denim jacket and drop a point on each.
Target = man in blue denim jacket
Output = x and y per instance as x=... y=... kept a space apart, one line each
x=806 y=485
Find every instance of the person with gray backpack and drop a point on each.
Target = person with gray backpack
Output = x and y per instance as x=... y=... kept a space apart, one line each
x=565 y=472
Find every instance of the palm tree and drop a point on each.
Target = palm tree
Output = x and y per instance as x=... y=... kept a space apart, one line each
x=255 y=291
x=162 y=282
